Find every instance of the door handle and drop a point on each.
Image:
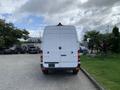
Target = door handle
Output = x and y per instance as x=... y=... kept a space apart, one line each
x=63 y=55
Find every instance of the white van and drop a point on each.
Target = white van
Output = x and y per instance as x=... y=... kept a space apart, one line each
x=60 y=49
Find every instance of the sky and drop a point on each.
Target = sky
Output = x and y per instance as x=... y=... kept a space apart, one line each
x=34 y=15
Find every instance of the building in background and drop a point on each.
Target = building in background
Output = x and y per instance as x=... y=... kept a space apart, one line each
x=36 y=41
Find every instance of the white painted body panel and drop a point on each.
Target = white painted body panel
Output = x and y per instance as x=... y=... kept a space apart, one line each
x=55 y=37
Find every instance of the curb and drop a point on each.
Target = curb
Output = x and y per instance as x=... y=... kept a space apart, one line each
x=97 y=85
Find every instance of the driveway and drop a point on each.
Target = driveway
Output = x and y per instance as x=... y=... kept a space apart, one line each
x=23 y=72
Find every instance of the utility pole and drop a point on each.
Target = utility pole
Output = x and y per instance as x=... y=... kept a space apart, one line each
x=40 y=34
x=108 y=28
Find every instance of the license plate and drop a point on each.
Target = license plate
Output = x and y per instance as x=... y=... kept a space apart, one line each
x=51 y=65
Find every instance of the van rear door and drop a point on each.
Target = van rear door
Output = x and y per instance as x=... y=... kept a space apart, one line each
x=51 y=52
x=50 y=47
x=69 y=47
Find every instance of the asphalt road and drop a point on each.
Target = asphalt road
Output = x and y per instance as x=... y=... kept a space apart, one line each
x=22 y=72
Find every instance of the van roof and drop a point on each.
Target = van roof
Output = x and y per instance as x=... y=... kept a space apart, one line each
x=64 y=26
x=60 y=29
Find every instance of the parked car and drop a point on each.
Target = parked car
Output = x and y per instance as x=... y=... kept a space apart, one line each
x=2 y=50
x=21 y=49
x=32 y=49
x=14 y=50
x=60 y=49
x=8 y=51
x=40 y=51
x=84 y=50
x=24 y=49
x=18 y=49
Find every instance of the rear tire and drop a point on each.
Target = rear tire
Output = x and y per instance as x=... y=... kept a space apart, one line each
x=75 y=72
x=45 y=72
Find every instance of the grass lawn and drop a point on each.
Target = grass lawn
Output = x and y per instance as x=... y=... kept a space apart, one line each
x=106 y=70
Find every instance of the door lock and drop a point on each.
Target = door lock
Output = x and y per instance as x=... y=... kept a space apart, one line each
x=60 y=48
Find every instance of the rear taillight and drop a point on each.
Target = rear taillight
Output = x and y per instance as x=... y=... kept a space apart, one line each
x=41 y=57
x=78 y=55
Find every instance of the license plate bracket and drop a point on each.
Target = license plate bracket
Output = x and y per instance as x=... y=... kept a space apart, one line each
x=51 y=65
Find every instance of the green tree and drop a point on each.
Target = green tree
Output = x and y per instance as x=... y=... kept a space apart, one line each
x=10 y=35
x=98 y=41
x=94 y=39
x=115 y=40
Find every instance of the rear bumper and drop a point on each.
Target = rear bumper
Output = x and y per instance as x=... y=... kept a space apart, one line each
x=60 y=68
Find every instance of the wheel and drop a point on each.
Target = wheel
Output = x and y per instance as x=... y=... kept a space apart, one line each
x=75 y=71
x=45 y=72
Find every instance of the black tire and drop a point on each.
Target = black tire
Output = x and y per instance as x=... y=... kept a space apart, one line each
x=75 y=72
x=45 y=72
